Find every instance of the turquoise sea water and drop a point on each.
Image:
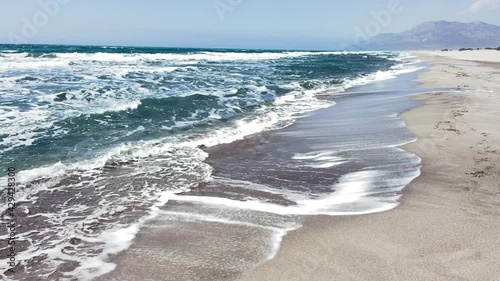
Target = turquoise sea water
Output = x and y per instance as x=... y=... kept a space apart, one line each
x=66 y=103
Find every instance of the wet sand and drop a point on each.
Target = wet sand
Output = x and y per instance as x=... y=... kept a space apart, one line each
x=447 y=227
x=260 y=190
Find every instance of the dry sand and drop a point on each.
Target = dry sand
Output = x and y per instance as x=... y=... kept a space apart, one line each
x=476 y=55
x=448 y=225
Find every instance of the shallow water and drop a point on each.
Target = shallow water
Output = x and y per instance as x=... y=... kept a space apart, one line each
x=342 y=160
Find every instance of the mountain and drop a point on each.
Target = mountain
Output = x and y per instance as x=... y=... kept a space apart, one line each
x=437 y=35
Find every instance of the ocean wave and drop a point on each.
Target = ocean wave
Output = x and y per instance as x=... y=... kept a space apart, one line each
x=168 y=114
x=87 y=112
x=42 y=55
x=67 y=57
x=200 y=56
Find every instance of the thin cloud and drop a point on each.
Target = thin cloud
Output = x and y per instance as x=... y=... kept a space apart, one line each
x=479 y=5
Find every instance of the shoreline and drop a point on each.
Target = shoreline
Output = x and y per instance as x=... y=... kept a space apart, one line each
x=248 y=177
x=227 y=225
x=325 y=184
x=445 y=227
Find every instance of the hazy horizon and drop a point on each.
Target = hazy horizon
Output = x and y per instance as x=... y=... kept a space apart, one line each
x=231 y=24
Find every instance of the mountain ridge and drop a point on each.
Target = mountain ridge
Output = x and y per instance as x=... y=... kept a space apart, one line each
x=436 y=35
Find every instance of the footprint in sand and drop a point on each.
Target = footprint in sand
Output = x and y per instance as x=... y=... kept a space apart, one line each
x=481 y=160
x=458 y=113
x=477 y=174
x=447 y=126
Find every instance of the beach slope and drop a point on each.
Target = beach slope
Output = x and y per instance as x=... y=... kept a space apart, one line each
x=447 y=227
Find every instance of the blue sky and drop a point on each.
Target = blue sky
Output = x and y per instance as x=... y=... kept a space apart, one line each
x=286 y=24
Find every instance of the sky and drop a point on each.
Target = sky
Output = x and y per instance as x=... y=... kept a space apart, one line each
x=265 y=24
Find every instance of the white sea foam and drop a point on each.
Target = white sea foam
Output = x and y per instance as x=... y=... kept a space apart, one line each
x=116 y=240
x=353 y=196
x=65 y=58
x=321 y=159
x=23 y=61
x=382 y=75
x=138 y=129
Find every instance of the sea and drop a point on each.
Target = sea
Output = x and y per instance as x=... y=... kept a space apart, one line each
x=108 y=142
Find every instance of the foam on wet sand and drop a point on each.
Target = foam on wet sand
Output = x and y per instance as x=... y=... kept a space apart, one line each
x=447 y=225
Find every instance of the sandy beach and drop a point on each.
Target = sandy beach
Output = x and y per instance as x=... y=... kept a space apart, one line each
x=476 y=55
x=447 y=225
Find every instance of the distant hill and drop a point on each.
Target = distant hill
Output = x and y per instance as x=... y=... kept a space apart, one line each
x=437 y=35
